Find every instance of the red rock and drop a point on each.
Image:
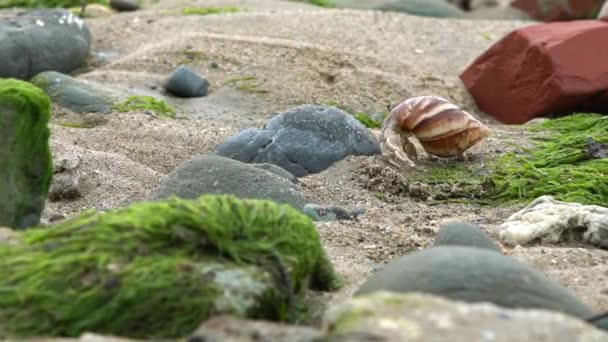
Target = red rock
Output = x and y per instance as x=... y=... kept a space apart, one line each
x=538 y=70
x=565 y=10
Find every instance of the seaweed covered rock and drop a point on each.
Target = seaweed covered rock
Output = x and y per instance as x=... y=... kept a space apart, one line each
x=158 y=269
x=303 y=140
x=25 y=156
x=73 y=94
x=397 y=317
x=475 y=275
x=32 y=41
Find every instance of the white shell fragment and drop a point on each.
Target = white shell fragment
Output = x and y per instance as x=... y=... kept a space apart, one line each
x=546 y=219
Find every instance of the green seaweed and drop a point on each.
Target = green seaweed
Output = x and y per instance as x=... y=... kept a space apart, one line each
x=247 y=84
x=137 y=102
x=209 y=10
x=322 y=3
x=367 y=121
x=556 y=165
x=157 y=269
x=25 y=155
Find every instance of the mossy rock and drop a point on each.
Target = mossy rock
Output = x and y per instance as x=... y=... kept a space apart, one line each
x=159 y=269
x=26 y=171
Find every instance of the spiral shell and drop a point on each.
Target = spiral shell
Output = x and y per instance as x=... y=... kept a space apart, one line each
x=441 y=127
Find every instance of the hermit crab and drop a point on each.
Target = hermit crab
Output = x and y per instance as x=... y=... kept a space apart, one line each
x=442 y=128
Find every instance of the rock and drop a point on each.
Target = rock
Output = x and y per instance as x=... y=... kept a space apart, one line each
x=124 y=5
x=186 y=83
x=277 y=170
x=27 y=169
x=551 y=10
x=32 y=41
x=304 y=140
x=474 y=275
x=464 y=234
x=73 y=94
x=603 y=13
x=65 y=186
x=229 y=328
x=541 y=52
x=331 y=213
x=175 y=263
x=412 y=317
x=209 y=174
x=427 y=8
x=547 y=219
x=93 y=11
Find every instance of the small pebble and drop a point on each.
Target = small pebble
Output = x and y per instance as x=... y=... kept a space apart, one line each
x=124 y=5
x=186 y=83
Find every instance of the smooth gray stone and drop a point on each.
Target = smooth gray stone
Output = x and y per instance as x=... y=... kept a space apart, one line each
x=464 y=234
x=209 y=174
x=73 y=94
x=475 y=275
x=426 y=8
x=303 y=140
x=186 y=83
x=124 y=5
x=33 y=41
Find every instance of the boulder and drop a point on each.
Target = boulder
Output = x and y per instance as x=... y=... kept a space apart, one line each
x=537 y=71
x=26 y=165
x=303 y=140
x=73 y=94
x=412 y=317
x=464 y=234
x=156 y=270
x=124 y=5
x=209 y=174
x=474 y=275
x=32 y=41
x=551 y=10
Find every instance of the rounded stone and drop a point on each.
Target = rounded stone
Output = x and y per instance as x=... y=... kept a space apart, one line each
x=124 y=5
x=186 y=83
x=464 y=234
x=475 y=275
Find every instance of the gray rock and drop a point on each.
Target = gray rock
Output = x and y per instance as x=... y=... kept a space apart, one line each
x=475 y=275
x=277 y=170
x=73 y=94
x=26 y=169
x=393 y=317
x=427 y=8
x=124 y=5
x=209 y=174
x=331 y=213
x=304 y=140
x=464 y=234
x=230 y=328
x=186 y=83
x=65 y=186
x=32 y=41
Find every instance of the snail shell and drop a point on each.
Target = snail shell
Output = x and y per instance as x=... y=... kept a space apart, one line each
x=441 y=127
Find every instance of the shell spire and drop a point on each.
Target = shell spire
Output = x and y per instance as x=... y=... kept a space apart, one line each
x=441 y=127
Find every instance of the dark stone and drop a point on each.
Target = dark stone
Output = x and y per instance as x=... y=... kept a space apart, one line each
x=464 y=234
x=595 y=149
x=209 y=174
x=73 y=94
x=33 y=41
x=475 y=275
x=426 y=8
x=124 y=5
x=304 y=140
x=186 y=83
x=277 y=170
x=536 y=71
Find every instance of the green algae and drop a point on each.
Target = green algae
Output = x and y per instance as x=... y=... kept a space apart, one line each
x=158 y=269
x=27 y=170
x=363 y=118
x=556 y=165
x=137 y=102
x=209 y=10
x=246 y=84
